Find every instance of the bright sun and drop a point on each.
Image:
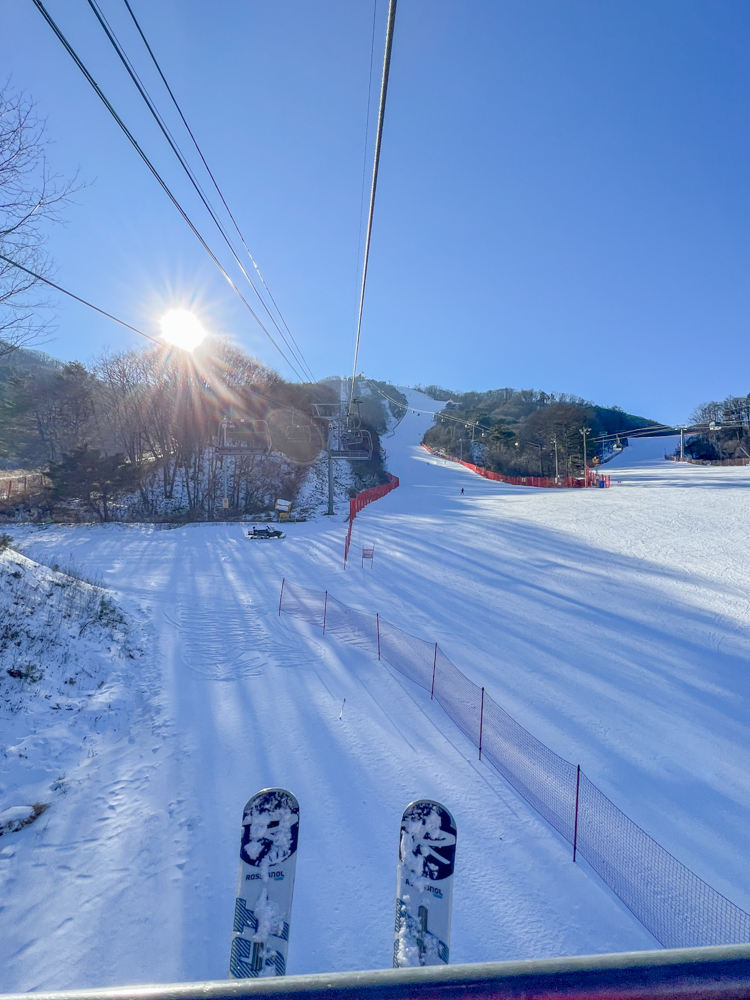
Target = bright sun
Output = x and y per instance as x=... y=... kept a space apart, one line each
x=182 y=328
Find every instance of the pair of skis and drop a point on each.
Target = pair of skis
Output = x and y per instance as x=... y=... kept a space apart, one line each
x=268 y=860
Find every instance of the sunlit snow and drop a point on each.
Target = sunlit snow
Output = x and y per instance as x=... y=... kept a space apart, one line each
x=612 y=624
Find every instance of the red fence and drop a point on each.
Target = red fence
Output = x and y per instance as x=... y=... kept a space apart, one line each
x=546 y=482
x=21 y=484
x=361 y=500
x=704 y=461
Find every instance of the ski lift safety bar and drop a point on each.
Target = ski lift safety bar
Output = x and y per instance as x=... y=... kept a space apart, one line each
x=678 y=974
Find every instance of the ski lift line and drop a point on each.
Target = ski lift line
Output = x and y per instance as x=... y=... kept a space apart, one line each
x=367 y=132
x=653 y=429
x=68 y=47
x=431 y=413
x=78 y=298
x=107 y=28
x=208 y=169
x=216 y=186
x=373 y=190
x=649 y=430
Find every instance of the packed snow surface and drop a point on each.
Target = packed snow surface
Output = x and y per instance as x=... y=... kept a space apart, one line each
x=613 y=624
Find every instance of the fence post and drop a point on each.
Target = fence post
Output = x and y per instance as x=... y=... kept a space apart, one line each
x=434 y=667
x=281 y=595
x=481 y=725
x=575 y=825
x=325 y=613
x=377 y=622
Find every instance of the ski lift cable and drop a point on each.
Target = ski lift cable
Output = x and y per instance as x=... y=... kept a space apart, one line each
x=215 y=184
x=85 y=302
x=68 y=47
x=649 y=430
x=373 y=190
x=109 y=32
x=421 y=409
x=636 y=432
x=367 y=133
x=129 y=326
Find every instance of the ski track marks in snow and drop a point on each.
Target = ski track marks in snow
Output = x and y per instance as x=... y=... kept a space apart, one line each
x=218 y=648
x=612 y=624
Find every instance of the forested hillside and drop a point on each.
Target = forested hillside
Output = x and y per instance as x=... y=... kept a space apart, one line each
x=726 y=433
x=142 y=424
x=519 y=432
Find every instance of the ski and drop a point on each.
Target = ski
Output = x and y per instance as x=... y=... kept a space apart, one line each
x=424 y=886
x=262 y=910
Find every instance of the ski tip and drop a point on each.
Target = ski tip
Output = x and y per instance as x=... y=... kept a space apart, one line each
x=421 y=807
x=274 y=798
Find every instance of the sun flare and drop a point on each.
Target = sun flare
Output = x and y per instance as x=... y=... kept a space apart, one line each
x=182 y=328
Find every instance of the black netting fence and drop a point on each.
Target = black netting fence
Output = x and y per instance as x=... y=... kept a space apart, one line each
x=677 y=907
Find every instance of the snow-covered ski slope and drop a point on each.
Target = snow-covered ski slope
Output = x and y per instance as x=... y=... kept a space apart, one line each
x=613 y=624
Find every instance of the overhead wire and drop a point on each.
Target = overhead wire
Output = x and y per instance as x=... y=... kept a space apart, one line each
x=397 y=402
x=648 y=430
x=129 y=326
x=85 y=302
x=68 y=47
x=114 y=41
x=367 y=136
x=209 y=171
x=293 y=347
x=373 y=190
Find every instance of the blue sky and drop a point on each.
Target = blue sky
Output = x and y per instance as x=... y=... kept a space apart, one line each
x=563 y=195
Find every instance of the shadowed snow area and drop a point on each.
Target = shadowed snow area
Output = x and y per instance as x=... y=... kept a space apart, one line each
x=613 y=624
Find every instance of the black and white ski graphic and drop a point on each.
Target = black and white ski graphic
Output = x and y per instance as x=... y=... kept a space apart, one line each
x=268 y=861
x=424 y=887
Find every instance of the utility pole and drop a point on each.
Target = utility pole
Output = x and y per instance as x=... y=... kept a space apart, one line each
x=554 y=442
x=330 y=470
x=682 y=444
x=584 y=431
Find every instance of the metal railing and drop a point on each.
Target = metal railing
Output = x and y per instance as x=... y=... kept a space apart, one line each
x=684 y=974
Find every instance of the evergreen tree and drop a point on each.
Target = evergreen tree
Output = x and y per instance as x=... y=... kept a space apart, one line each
x=95 y=479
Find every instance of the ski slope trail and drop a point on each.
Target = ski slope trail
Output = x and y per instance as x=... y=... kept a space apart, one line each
x=613 y=624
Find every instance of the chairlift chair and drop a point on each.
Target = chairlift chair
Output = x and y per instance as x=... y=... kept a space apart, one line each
x=327 y=411
x=244 y=437
x=298 y=434
x=356 y=446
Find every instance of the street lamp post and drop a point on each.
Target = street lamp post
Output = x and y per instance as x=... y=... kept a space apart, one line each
x=557 y=474
x=534 y=445
x=584 y=431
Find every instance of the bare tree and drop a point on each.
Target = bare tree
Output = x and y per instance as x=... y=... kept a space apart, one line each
x=30 y=198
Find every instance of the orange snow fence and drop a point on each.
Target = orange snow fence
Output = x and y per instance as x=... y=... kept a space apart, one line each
x=20 y=485
x=361 y=500
x=546 y=482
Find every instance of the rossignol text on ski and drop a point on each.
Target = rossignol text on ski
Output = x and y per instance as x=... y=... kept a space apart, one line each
x=268 y=860
x=424 y=886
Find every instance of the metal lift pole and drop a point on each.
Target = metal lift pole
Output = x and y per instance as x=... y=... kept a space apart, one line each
x=330 y=470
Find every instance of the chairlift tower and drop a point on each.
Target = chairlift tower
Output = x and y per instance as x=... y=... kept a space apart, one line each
x=239 y=438
x=347 y=440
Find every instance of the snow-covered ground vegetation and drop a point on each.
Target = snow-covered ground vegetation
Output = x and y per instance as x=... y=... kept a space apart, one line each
x=612 y=624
